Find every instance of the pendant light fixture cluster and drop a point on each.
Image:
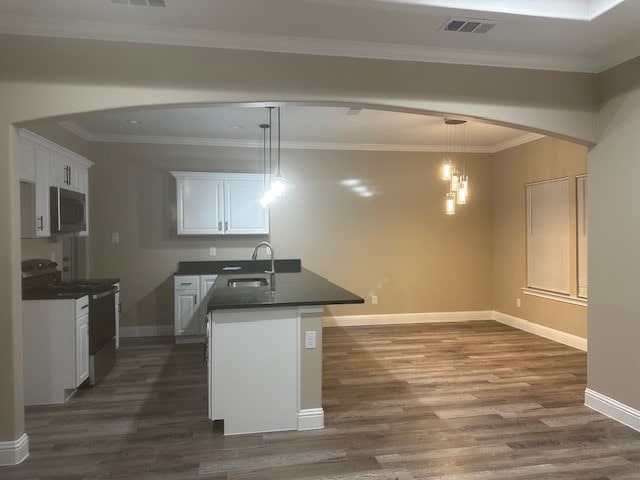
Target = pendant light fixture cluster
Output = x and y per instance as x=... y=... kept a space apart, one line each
x=276 y=183
x=456 y=175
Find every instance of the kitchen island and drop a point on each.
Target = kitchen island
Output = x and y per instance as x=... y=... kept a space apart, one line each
x=265 y=349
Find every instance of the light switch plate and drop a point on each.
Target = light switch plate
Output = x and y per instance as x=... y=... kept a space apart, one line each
x=115 y=237
x=310 y=339
x=212 y=251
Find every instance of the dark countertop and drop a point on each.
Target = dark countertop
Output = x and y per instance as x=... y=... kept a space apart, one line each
x=46 y=294
x=291 y=289
x=215 y=267
x=58 y=291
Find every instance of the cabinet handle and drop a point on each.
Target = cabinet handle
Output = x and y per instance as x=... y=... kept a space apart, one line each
x=84 y=306
x=41 y=220
x=119 y=308
x=226 y=225
x=195 y=299
x=220 y=226
x=66 y=175
x=185 y=283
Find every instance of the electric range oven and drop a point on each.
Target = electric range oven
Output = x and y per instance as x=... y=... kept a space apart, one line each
x=41 y=281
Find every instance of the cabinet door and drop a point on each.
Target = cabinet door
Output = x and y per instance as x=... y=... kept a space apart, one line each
x=186 y=304
x=82 y=349
x=83 y=187
x=42 y=225
x=64 y=172
x=27 y=162
x=199 y=206
x=243 y=212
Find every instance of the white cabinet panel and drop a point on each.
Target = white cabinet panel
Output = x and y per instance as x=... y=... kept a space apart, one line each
x=199 y=206
x=243 y=212
x=82 y=349
x=27 y=162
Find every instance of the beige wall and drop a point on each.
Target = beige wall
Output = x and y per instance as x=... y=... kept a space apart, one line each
x=614 y=236
x=543 y=159
x=397 y=244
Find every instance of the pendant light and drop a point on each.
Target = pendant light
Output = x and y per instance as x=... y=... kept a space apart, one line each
x=450 y=204
x=268 y=197
x=458 y=179
x=278 y=183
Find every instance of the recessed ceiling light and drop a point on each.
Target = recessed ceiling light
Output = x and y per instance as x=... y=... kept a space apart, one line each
x=352 y=111
x=133 y=121
x=236 y=127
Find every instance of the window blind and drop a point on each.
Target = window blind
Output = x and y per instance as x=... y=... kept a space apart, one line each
x=582 y=214
x=548 y=261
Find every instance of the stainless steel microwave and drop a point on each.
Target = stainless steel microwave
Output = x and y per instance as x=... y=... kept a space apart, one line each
x=67 y=211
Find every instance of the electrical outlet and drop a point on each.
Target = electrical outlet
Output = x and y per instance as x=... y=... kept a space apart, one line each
x=374 y=299
x=310 y=339
x=518 y=304
x=115 y=237
x=212 y=251
x=52 y=256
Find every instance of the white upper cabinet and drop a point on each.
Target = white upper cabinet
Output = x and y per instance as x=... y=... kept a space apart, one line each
x=211 y=203
x=45 y=164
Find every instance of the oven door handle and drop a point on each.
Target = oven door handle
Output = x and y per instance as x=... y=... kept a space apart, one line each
x=100 y=295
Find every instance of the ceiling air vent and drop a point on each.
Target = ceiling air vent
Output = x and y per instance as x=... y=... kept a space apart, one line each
x=352 y=111
x=142 y=3
x=467 y=25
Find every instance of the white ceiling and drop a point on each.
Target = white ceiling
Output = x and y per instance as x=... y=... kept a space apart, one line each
x=302 y=127
x=571 y=35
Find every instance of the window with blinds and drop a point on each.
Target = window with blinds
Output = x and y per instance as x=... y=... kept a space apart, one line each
x=548 y=257
x=582 y=214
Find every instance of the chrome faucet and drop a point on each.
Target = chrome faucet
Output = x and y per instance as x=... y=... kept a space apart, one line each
x=255 y=255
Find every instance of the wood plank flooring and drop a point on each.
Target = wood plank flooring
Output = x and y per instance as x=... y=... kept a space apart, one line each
x=470 y=401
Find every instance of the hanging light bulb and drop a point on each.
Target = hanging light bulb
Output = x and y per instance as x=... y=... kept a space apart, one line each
x=450 y=204
x=461 y=197
x=447 y=169
x=455 y=181
x=463 y=190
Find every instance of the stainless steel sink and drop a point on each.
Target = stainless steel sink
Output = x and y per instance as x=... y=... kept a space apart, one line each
x=247 y=282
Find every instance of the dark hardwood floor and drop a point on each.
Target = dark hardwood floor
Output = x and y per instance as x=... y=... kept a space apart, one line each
x=470 y=401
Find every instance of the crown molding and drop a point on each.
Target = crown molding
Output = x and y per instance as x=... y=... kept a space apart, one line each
x=17 y=25
x=515 y=142
x=222 y=142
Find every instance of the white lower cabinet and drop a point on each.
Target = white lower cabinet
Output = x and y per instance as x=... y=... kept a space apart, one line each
x=56 y=348
x=191 y=293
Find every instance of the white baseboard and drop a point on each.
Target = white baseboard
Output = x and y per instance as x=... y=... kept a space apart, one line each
x=612 y=409
x=399 y=318
x=14 y=452
x=542 y=331
x=147 y=331
x=311 y=419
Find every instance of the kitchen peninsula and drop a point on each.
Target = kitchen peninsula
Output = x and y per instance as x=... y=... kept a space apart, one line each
x=264 y=348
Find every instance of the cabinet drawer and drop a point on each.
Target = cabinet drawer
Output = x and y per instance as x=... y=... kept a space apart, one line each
x=186 y=282
x=82 y=306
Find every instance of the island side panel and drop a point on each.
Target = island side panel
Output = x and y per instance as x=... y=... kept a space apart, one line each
x=310 y=414
x=255 y=362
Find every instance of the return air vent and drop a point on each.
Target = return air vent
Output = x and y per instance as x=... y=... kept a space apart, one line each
x=142 y=3
x=467 y=25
